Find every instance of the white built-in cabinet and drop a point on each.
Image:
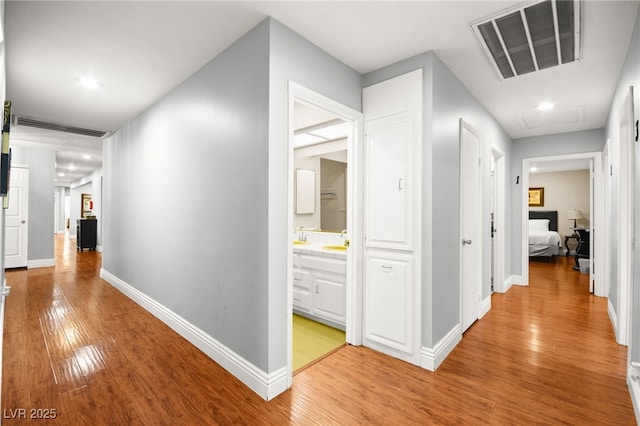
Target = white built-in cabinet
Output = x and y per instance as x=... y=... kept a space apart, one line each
x=319 y=288
x=393 y=135
x=390 y=171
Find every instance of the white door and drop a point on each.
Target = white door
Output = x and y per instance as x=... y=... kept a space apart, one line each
x=389 y=158
x=16 y=227
x=470 y=225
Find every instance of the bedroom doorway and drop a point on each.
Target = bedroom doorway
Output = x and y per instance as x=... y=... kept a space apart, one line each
x=589 y=204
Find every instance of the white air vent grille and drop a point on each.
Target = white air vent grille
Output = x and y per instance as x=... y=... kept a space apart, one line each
x=534 y=37
x=30 y=122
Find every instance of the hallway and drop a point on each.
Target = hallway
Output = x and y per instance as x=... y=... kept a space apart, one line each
x=544 y=354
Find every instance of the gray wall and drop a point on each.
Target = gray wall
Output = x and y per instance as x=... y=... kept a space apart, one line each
x=41 y=199
x=446 y=100
x=60 y=225
x=195 y=190
x=542 y=146
x=185 y=198
x=630 y=76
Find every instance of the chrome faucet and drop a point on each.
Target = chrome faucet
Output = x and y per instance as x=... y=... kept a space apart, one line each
x=301 y=236
x=343 y=235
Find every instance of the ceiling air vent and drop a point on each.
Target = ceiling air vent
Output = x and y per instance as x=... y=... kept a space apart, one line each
x=30 y=122
x=531 y=38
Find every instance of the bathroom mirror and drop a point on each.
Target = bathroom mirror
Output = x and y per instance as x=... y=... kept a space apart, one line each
x=305 y=190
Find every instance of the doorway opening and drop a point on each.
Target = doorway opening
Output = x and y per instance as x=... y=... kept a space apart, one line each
x=324 y=288
x=572 y=189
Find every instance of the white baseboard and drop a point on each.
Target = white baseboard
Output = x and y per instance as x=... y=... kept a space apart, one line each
x=40 y=263
x=99 y=248
x=431 y=358
x=634 y=392
x=517 y=280
x=613 y=318
x=508 y=283
x=267 y=385
x=485 y=306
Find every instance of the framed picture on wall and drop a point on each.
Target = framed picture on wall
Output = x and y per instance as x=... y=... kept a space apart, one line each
x=87 y=205
x=536 y=197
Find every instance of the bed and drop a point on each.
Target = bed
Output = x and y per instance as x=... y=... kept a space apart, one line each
x=544 y=239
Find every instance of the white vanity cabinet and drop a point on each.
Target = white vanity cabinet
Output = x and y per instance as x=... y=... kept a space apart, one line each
x=319 y=288
x=301 y=290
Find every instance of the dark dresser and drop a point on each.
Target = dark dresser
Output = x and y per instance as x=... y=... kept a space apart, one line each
x=87 y=234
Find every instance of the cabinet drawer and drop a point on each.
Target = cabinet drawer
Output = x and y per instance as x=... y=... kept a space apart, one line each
x=301 y=299
x=302 y=279
x=336 y=266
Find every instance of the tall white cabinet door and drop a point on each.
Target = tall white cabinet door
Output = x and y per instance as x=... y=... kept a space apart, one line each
x=389 y=156
x=388 y=303
x=392 y=181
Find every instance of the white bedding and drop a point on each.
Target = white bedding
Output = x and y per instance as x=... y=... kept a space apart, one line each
x=544 y=243
x=546 y=238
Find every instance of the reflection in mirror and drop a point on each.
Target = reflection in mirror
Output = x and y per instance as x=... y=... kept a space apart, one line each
x=305 y=183
x=320 y=144
x=333 y=195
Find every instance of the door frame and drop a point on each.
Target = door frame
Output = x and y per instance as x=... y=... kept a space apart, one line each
x=626 y=229
x=597 y=220
x=355 y=211
x=477 y=223
x=499 y=240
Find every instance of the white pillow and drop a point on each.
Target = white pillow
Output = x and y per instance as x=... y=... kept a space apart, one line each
x=539 y=225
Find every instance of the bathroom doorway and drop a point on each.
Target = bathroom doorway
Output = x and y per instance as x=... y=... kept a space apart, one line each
x=324 y=291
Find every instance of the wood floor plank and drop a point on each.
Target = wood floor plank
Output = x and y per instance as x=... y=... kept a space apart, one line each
x=544 y=354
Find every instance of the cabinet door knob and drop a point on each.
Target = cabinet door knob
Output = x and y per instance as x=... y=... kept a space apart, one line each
x=317 y=289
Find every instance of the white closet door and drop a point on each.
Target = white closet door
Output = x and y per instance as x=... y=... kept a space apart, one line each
x=390 y=181
x=388 y=315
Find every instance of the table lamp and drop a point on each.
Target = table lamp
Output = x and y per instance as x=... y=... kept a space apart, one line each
x=575 y=215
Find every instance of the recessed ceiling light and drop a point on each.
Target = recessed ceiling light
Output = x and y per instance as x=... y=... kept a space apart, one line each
x=72 y=167
x=86 y=156
x=90 y=83
x=533 y=169
x=545 y=106
x=61 y=174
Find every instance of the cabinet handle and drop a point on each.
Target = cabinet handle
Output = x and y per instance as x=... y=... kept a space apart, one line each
x=297 y=300
x=400 y=183
x=317 y=289
x=297 y=279
x=387 y=267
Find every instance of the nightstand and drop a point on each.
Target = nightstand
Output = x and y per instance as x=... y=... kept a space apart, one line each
x=575 y=237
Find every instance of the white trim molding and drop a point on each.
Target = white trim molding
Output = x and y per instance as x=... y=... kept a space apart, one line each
x=40 y=263
x=431 y=358
x=267 y=385
x=517 y=280
x=634 y=391
x=613 y=318
x=485 y=307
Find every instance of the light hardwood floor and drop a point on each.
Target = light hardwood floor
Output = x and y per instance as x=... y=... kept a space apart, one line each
x=544 y=354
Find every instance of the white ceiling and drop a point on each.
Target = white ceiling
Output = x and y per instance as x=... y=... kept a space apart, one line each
x=138 y=51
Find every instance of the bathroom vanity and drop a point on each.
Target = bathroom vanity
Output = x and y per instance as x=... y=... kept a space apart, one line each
x=319 y=283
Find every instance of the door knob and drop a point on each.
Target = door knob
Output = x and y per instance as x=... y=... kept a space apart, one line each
x=465 y=242
x=24 y=221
